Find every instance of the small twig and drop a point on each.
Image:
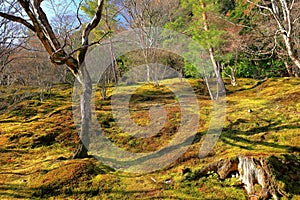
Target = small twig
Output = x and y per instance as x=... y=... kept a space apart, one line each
x=86 y=46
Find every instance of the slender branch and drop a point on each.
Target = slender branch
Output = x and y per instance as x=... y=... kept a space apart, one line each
x=260 y=6
x=292 y=5
x=60 y=60
x=75 y=28
x=39 y=30
x=77 y=14
x=93 y=23
x=89 y=27
x=18 y=19
x=286 y=12
x=297 y=19
x=281 y=27
x=267 y=52
x=233 y=23
x=78 y=19
x=89 y=45
x=44 y=20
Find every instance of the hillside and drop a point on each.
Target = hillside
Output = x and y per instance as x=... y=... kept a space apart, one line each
x=37 y=139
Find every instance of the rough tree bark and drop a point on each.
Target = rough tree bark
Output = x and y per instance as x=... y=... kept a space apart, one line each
x=38 y=23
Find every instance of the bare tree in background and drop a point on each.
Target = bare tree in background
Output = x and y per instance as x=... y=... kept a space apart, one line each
x=32 y=16
x=144 y=16
x=284 y=15
x=12 y=40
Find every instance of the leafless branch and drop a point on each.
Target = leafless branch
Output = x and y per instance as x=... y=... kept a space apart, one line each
x=44 y=20
x=271 y=12
x=89 y=45
x=296 y=20
x=79 y=21
x=292 y=5
x=17 y=19
x=60 y=59
x=231 y=22
x=89 y=27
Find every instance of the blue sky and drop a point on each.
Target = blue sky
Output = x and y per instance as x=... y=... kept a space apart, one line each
x=67 y=7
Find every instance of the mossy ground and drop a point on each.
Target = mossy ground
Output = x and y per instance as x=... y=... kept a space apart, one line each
x=37 y=139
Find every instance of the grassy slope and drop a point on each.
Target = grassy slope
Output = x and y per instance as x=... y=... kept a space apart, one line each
x=36 y=137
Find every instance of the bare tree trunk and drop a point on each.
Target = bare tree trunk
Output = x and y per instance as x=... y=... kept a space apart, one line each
x=216 y=66
x=233 y=80
x=103 y=89
x=290 y=51
x=156 y=71
x=113 y=61
x=38 y=22
x=148 y=73
x=209 y=89
x=232 y=74
x=85 y=109
x=288 y=69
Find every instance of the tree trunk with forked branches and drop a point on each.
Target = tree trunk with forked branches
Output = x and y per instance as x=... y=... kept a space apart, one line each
x=38 y=23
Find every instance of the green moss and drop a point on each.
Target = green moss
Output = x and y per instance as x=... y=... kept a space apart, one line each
x=37 y=137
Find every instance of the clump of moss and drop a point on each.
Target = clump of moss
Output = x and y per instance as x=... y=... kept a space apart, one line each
x=64 y=178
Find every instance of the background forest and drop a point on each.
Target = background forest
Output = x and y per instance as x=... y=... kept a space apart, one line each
x=247 y=39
